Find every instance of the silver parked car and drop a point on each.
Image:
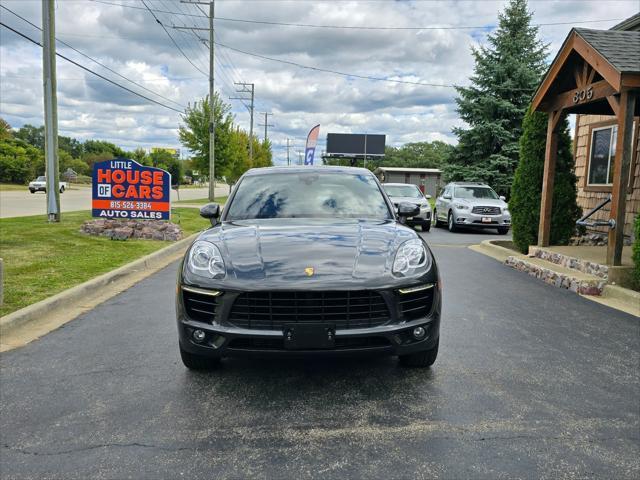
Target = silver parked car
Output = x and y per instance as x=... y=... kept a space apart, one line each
x=471 y=204
x=409 y=193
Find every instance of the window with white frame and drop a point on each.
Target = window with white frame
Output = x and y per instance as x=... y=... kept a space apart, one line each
x=602 y=155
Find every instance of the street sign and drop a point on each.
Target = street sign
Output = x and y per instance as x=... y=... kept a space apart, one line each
x=122 y=188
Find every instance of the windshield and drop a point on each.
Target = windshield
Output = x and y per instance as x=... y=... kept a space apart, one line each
x=308 y=195
x=40 y=179
x=403 y=191
x=475 y=192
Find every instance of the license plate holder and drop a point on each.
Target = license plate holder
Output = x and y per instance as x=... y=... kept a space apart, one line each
x=486 y=219
x=309 y=336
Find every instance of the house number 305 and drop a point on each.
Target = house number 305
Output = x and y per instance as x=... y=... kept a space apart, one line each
x=582 y=95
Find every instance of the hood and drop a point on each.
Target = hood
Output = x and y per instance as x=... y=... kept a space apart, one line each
x=414 y=200
x=275 y=253
x=488 y=202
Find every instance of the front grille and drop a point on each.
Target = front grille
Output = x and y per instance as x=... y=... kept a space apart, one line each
x=416 y=304
x=486 y=210
x=273 y=310
x=277 y=343
x=199 y=306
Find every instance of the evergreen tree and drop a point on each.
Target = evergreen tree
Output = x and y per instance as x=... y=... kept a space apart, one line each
x=506 y=74
x=526 y=191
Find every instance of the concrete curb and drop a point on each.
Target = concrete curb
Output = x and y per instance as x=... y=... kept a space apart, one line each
x=613 y=296
x=487 y=247
x=70 y=299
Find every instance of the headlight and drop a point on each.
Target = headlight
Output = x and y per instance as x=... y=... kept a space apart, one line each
x=425 y=206
x=205 y=260
x=506 y=210
x=461 y=206
x=411 y=257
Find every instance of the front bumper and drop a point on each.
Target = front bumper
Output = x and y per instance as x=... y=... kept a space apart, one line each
x=465 y=218
x=422 y=218
x=224 y=340
x=35 y=188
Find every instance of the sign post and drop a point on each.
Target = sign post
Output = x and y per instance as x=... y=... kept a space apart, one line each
x=122 y=188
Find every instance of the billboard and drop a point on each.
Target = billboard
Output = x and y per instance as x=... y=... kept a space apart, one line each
x=312 y=141
x=355 y=144
x=122 y=188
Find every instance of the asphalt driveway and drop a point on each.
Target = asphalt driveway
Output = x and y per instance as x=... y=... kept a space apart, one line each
x=531 y=382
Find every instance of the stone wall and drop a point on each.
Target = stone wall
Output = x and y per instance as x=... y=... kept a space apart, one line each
x=125 y=229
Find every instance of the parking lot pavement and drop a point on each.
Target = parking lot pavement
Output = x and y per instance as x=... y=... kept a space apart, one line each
x=531 y=381
x=18 y=203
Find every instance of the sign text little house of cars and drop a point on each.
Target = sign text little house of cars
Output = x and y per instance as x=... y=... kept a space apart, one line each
x=123 y=188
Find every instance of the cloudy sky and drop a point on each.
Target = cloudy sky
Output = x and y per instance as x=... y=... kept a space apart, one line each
x=123 y=35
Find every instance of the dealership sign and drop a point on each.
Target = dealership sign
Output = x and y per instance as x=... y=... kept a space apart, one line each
x=123 y=188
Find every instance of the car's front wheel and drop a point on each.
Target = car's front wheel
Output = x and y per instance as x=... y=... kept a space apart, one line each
x=32 y=190
x=426 y=226
x=61 y=189
x=436 y=223
x=451 y=223
x=503 y=230
x=198 y=362
x=420 y=359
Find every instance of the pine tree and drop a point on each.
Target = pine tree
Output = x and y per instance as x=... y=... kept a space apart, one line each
x=526 y=191
x=506 y=74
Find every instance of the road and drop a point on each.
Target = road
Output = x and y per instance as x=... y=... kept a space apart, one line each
x=18 y=203
x=531 y=382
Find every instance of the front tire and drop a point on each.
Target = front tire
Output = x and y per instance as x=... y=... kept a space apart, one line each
x=422 y=359
x=61 y=189
x=503 y=230
x=32 y=191
x=451 y=223
x=198 y=362
x=436 y=223
x=425 y=227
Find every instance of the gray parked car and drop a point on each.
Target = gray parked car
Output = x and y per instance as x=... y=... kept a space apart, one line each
x=409 y=193
x=471 y=204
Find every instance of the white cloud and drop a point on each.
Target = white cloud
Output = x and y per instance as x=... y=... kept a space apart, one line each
x=130 y=42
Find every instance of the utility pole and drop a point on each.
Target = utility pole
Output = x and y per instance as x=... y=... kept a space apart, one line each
x=212 y=117
x=288 y=147
x=249 y=89
x=50 y=109
x=265 y=124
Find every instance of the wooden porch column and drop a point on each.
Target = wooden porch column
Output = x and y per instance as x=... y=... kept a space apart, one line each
x=550 y=154
x=621 y=175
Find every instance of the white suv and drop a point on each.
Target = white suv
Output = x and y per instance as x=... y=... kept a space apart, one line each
x=471 y=204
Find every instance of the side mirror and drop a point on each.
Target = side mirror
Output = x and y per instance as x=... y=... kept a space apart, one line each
x=503 y=198
x=212 y=212
x=427 y=196
x=408 y=210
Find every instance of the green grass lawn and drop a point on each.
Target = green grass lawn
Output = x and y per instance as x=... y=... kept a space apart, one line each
x=42 y=259
x=201 y=201
x=7 y=187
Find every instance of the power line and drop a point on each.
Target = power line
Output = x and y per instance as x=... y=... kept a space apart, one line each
x=94 y=60
x=172 y=40
x=335 y=72
x=91 y=71
x=360 y=27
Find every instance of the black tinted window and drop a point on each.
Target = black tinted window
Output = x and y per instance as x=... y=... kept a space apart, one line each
x=311 y=195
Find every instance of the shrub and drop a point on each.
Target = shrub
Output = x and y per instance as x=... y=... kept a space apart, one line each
x=636 y=254
x=526 y=190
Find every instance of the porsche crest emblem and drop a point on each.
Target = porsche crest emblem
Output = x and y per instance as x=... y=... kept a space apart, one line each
x=309 y=271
